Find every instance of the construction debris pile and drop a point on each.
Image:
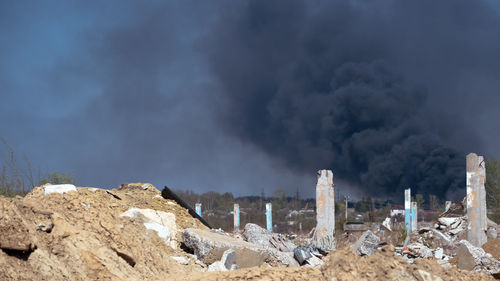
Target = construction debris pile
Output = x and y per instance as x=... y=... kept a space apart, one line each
x=65 y=232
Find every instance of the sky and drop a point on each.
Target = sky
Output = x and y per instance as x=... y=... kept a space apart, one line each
x=245 y=96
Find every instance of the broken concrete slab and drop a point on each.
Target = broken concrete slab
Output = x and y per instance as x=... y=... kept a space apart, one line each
x=261 y=236
x=209 y=247
x=366 y=244
x=216 y=266
x=59 y=188
x=279 y=247
x=447 y=221
x=301 y=254
x=387 y=223
x=418 y=250
x=314 y=261
x=277 y=258
x=161 y=222
x=474 y=258
x=228 y=258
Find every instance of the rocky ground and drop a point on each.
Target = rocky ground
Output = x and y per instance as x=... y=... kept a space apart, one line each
x=132 y=233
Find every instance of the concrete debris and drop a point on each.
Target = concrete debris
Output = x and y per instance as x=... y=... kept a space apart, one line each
x=452 y=225
x=301 y=254
x=228 y=258
x=492 y=232
x=209 y=247
x=217 y=266
x=181 y=260
x=367 y=244
x=161 y=222
x=261 y=236
x=474 y=258
x=59 y=188
x=280 y=249
x=314 y=261
x=444 y=263
x=227 y=262
x=414 y=250
x=161 y=230
x=387 y=223
x=439 y=253
x=308 y=255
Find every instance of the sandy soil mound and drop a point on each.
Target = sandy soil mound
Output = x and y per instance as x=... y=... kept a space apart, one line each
x=132 y=233
x=492 y=247
x=346 y=265
x=80 y=235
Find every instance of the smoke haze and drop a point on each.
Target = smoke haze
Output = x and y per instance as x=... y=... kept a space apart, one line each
x=244 y=96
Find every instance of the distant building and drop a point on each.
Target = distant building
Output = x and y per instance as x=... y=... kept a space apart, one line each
x=397 y=210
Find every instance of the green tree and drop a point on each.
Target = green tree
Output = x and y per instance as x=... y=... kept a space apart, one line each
x=433 y=202
x=419 y=198
x=492 y=186
x=364 y=205
x=57 y=178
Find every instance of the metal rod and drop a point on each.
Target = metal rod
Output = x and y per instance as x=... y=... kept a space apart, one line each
x=169 y=194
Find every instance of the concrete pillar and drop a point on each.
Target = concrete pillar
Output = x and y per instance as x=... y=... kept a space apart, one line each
x=325 y=211
x=197 y=208
x=269 y=216
x=447 y=205
x=408 y=210
x=476 y=200
x=414 y=216
x=236 y=214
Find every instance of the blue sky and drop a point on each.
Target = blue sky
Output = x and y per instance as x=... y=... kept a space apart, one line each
x=190 y=94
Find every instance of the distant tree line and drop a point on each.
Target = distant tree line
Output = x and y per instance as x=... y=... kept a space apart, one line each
x=19 y=177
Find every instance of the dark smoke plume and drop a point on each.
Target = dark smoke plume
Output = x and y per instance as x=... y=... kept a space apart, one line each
x=328 y=88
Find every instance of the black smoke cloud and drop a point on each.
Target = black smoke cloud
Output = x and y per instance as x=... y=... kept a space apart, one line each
x=356 y=86
x=244 y=96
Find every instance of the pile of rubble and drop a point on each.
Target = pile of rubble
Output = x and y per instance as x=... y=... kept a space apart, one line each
x=76 y=233
x=65 y=232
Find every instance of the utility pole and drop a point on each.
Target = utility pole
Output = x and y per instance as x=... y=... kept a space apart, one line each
x=297 y=200
x=346 y=198
x=262 y=198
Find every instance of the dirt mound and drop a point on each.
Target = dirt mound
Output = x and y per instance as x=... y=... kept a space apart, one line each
x=346 y=265
x=384 y=265
x=132 y=233
x=492 y=247
x=82 y=235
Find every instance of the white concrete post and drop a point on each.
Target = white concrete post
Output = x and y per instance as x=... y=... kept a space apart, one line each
x=325 y=211
x=269 y=216
x=476 y=200
x=197 y=207
x=236 y=213
x=408 y=210
x=447 y=205
x=414 y=216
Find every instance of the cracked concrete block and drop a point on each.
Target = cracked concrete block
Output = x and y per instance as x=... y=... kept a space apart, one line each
x=367 y=244
x=228 y=258
x=261 y=236
x=209 y=247
x=474 y=258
